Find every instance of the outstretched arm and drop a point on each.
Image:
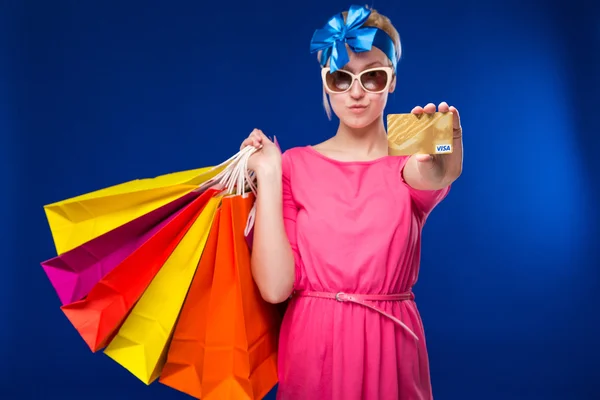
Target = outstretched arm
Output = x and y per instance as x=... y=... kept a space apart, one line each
x=435 y=172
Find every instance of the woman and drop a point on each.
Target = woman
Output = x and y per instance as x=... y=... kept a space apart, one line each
x=338 y=230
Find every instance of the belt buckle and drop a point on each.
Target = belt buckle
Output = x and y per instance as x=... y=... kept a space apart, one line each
x=338 y=296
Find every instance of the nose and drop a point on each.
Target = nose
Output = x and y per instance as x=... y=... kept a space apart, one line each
x=356 y=91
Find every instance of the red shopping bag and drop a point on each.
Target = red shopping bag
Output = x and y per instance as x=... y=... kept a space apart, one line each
x=98 y=316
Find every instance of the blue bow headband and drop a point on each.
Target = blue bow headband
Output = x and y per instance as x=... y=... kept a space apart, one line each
x=334 y=36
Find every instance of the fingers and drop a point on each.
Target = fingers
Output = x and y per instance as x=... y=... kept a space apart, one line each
x=430 y=108
x=417 y=110
x=263 y=137
x=443 y=107
x=255 y=139
x=455 y=117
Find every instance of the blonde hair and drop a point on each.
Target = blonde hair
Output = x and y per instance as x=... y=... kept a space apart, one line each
x=375 y=20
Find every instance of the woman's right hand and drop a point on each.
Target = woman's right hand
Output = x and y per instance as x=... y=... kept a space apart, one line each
x=268 y=156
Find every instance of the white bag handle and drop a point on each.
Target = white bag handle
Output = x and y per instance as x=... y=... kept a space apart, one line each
x=235 y=178
x=235 y=175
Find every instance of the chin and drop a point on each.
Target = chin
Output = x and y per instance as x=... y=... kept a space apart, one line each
x=359 y=121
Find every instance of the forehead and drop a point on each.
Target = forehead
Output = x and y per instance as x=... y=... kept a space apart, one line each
x=367 y=59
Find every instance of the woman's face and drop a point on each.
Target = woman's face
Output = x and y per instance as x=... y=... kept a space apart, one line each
x=356 y=107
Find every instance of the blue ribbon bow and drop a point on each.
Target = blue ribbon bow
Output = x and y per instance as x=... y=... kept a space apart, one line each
x=332 y=38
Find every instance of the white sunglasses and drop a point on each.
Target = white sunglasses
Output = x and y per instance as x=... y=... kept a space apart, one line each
x=373 y=80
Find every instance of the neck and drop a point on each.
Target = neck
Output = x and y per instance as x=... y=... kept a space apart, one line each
x=370 y=140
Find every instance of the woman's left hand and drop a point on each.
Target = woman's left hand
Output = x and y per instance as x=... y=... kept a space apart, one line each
x=446 y=167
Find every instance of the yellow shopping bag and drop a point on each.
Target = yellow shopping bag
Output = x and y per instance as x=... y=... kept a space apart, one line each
x=80 y=219
x=142 y=342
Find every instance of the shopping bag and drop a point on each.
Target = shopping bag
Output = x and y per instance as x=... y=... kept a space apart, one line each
x=185 y=360
x=221 y=285
x=98 y=316
x=79 y=219
x=192 y=263
x=75 y=272
x=240 y=354
x=141 y=343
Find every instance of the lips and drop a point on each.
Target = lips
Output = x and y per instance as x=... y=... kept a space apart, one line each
x=357 y=109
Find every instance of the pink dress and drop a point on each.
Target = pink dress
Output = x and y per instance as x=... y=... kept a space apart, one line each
x=355 y=228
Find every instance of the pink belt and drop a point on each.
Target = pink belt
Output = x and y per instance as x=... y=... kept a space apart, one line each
x=363 y=300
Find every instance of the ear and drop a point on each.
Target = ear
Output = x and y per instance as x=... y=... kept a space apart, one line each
x=393 y=84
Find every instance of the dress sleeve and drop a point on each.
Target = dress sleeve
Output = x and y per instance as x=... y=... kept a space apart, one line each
x=424 y=201
x=290 y=209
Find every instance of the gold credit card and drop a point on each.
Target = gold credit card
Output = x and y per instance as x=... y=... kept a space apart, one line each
x=410 y=133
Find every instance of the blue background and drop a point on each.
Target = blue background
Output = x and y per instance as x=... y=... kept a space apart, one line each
x=96 y=93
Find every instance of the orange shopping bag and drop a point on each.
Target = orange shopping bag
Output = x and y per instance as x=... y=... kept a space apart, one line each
x=240 y=355
x=233 y=352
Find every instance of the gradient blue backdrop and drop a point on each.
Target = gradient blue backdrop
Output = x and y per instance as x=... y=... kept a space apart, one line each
x=96 y=93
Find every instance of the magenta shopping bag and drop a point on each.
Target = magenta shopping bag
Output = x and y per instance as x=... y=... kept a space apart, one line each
x=75 y=272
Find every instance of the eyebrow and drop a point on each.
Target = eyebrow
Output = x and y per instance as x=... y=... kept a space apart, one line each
x=366 y=66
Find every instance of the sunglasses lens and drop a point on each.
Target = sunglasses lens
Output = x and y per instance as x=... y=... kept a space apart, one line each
x=338 y=81
x=375 y=80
